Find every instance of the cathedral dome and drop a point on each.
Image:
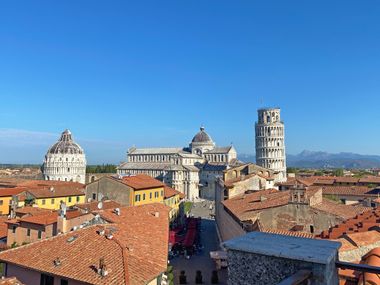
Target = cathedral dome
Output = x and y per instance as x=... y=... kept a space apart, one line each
x=66 y=145
x=202 y=137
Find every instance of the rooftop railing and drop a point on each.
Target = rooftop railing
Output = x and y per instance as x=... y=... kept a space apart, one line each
x=362 y=268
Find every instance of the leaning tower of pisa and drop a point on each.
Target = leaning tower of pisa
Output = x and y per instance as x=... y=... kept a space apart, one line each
x=270 y=141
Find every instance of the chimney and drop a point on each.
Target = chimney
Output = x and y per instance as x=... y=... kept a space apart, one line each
x=157 y=214
x=57 y=262
x=102 y=270
x=117 y=211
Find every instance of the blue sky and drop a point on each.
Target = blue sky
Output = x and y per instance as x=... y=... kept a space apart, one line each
x=149 y=73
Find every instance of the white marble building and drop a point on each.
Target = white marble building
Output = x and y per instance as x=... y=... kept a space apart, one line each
x=270 y=142
x=191 y=170
x=65 y=160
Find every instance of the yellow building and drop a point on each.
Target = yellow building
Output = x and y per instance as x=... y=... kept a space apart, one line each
x=145 y=189
x=6 y=197
x=71 y=193
x=173 y=199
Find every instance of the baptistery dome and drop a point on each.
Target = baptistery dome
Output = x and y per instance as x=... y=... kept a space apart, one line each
x=65 y=160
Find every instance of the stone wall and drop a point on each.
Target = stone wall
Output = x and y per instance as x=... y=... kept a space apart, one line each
x=259 y=258
x=109 y=189
x=285 y=217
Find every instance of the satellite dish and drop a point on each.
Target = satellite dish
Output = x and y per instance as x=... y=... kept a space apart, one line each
x=100 y=205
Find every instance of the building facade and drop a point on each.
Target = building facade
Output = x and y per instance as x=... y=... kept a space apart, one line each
x=65 y=160
x=191 y=170
x=270 y=141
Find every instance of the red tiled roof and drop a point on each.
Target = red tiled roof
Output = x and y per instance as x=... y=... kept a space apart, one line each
x=5 y=192
x=31 y=210
x=93 y=206
x=71 y=189
x=255 y=201
x=340 y=210
x=3 y=227
x=170 y=192
x=72 y=214
x=41 y=219
x=362 y=222
x=372 y=258
x=370 y=179
x=141 y=181
x=230 y=183
x=49 y=183
x=289 y=233
x=136 y=254
x=346 y=190
x=345 y=179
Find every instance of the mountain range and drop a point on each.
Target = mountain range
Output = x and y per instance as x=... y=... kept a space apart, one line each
x=320 y=159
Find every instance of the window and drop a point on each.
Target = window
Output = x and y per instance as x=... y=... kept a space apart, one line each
x=311 y=229
x=143 y=196
x=69 y=199
x=46 y=280
x=68 y=169
x=156 y=194
x=64 y=282
x=162 y=193
x=1 y=202
x=52 y=201
x=14 y=229
x=28 y=232
x=39 y=234
x=43 y=201
x=150 y=195
x=137 y=198
x=93 y=196
x=78 y=198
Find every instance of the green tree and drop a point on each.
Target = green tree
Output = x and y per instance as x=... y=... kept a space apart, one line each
x=338 y=172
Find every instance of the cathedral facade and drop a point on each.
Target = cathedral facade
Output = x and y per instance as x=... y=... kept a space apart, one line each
x=65 y=160
x=191 y=170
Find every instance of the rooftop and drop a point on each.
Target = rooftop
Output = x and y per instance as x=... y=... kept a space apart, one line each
x=302 y=249
x=170 y=192
x=52 y=190
x=141 y=181
x=362 y=222
x=93 y=206
x=136 y=254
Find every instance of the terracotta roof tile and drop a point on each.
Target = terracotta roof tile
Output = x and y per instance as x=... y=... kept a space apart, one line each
x=30 y=210
x=136 y=254
x=289 y=233
x=93 y=206
x=170 y=192
x=4 y=192
x=347 y=190
x=61 y=190
x=3 y=227
x=256 y=201
x=41 y=219
x=338 y=209
x=372 y=258
x=140 y=181
x=362 y=222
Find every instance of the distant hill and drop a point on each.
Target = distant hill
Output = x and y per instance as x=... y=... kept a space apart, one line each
x=320 y=159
